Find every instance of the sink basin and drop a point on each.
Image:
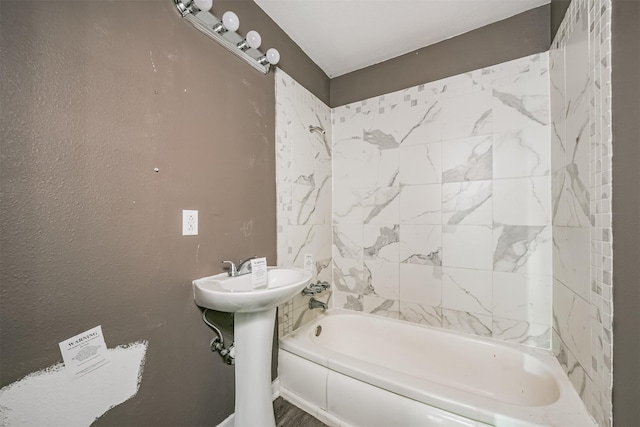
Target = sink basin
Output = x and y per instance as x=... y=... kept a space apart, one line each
x=235 y=294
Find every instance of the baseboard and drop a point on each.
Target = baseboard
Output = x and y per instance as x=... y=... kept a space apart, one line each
x=275 y=389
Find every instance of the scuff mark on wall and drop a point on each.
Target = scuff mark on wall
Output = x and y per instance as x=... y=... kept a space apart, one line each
x=256 y=107
x=153 y=64
x=247 y=228
x=50 y=397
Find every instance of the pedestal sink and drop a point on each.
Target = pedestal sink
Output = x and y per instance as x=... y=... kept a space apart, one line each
x=254 y=316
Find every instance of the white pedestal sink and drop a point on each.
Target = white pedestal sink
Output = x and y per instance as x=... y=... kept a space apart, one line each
x=254 y=316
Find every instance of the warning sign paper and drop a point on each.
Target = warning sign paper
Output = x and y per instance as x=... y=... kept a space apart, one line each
x=84 y=353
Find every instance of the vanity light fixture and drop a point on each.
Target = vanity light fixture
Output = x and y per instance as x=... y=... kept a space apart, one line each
x=197 y=12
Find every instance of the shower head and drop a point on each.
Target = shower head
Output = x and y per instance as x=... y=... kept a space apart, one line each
x=316 y=128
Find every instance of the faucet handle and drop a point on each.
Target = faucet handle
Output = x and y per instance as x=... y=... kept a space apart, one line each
x=316 y=288
x=323 y=285
x=232 y=268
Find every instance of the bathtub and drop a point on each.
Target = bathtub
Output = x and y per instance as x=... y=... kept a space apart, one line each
x=355 y=369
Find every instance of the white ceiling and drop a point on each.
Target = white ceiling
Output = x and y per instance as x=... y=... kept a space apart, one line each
x=341 y=36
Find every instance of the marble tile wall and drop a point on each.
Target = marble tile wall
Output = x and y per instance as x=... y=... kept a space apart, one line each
x=580 y=75
x=442 y=203
x=303 y=185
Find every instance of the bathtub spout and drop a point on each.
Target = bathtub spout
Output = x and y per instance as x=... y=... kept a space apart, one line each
x=314 y=303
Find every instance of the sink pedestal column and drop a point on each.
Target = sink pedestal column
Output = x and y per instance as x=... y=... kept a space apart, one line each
x=253 y=340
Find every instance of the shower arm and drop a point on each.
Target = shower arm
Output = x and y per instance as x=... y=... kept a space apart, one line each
x=316 y=129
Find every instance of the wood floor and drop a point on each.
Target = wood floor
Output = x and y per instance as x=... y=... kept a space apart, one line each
x=288 y=415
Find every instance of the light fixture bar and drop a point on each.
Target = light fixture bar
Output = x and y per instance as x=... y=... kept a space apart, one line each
x=206 y=26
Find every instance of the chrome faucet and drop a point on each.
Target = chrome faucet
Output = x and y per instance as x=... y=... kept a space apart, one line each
x=314 y=303
x=244 y=267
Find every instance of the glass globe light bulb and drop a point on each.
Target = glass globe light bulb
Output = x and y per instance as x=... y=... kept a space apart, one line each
x=204 y=5
x=231 y=21
x=273 y=56
x=253 y=39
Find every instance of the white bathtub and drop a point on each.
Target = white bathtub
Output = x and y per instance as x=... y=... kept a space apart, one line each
x=349 y=368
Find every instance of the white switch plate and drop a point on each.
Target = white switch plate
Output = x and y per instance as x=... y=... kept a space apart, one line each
x=189 y=223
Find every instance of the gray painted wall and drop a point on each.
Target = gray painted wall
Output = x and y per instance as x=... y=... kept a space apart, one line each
x=625 y=100
x=96 y=95
x=558 y=10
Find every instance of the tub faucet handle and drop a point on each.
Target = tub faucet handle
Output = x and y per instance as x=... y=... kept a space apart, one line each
x=323 y=285
x=316 y=288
